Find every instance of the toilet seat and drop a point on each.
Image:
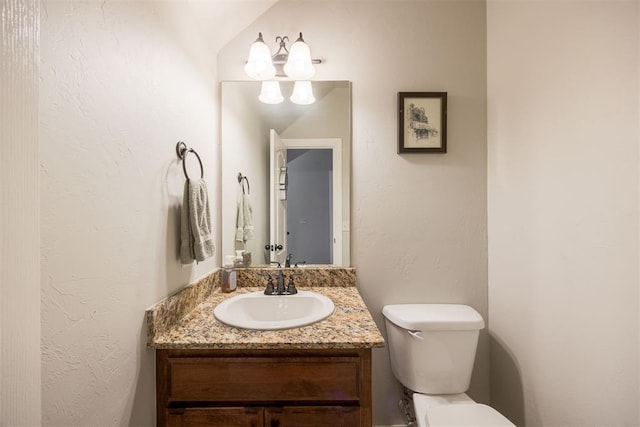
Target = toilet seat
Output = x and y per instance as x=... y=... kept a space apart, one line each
x=465 y=414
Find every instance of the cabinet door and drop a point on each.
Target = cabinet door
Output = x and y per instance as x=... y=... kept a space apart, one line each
x=313 y=416
x=215 y=417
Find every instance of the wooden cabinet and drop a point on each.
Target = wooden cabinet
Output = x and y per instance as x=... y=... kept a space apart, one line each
x=273 y=388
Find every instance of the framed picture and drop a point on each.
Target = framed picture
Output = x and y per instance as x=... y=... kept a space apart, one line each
x=422 y=122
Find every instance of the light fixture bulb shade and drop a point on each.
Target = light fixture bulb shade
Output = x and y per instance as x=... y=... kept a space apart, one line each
x=302 y=93
x=299 y=65
x=270 y=93
x=259 y=66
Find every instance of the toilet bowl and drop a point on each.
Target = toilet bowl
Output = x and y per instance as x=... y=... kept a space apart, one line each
x=455 y=410
x=432 y=348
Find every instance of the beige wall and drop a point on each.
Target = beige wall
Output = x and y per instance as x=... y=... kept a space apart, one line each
x=19 y=215
x=418 y=221
x=118 y=90
x=563 y=84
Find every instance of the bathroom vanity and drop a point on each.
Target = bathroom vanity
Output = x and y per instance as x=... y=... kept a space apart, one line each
x=208 y=373
x=264 y=387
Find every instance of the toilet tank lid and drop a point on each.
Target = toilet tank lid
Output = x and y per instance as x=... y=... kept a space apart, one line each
x=425 y=317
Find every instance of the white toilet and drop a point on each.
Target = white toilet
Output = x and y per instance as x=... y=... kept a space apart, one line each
x=432 y=349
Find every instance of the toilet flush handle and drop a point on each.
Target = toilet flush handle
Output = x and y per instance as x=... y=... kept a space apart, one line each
x=416 y=334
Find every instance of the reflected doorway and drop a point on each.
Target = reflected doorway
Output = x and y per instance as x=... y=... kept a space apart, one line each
x=305 y=200
x=310 y=205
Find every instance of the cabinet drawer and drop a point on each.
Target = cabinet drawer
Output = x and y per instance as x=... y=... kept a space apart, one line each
x=215 y=417
x=313 y=416
x=263 y=379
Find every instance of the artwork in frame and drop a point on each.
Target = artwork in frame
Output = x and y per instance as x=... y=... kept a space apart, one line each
x=422 y=122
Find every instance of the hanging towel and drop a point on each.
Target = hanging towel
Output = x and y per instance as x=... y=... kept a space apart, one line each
x=244 y=219
x=196 y=239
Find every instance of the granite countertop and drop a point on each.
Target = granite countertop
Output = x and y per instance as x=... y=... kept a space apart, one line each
x=195 y=327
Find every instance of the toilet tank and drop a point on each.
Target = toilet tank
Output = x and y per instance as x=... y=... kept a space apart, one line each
x=432 y=346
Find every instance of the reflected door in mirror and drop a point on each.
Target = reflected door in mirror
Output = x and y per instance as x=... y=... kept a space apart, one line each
x=310 y=205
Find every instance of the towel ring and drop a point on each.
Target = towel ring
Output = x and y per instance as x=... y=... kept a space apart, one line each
x=241 y=181
x=182 y=150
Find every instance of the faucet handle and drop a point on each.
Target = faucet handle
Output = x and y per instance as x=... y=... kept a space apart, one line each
x=269 y=290
x=291 y=287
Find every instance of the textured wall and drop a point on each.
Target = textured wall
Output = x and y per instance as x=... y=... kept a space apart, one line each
x=120 y=85
x=19 y=215
x=563 y=211
x=418 y=221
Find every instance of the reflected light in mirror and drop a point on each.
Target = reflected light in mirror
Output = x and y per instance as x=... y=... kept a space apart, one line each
x=270 y=93
x=302 y=93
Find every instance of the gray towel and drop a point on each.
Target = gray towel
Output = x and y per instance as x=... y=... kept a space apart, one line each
x=196 y=239
x=244 y=219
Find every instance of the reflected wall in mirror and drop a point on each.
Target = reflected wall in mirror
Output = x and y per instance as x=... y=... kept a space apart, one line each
x=306 y=148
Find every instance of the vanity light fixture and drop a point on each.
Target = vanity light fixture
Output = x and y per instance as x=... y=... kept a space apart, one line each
x=295 y=64
x=299 y=65
x=259 y=65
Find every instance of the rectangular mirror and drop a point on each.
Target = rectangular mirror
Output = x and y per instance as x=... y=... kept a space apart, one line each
x=296 y=160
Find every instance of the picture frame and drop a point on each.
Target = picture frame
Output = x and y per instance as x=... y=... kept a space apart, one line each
x=422 y=122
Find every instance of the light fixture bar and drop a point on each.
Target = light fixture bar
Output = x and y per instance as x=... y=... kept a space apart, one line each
x=257 y=68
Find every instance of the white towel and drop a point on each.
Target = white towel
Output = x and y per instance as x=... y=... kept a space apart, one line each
x=244 y=219
x=196 y=238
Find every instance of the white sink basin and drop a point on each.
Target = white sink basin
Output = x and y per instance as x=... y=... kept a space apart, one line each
x=269 y=312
